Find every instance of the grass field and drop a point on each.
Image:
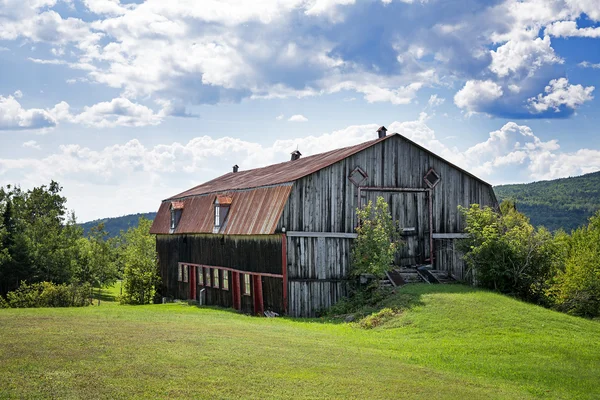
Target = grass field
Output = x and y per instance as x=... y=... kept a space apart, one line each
x=453 y=342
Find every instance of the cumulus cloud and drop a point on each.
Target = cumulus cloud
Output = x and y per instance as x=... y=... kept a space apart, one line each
x=475 y=96
x=570 y=29
x=138 y=176
x=14 y=117
x=560 y=94
x=18 y=94
x=297 y=118
x=523 y=55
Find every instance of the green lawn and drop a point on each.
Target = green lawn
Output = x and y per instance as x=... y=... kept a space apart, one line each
x=452 y=342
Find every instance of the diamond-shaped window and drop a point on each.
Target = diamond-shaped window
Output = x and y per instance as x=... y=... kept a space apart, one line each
x=431 y=178
x=358 y=176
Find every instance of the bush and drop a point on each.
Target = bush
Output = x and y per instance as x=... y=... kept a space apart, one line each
x=378 y=318
x=504 y=252
x=378 y=241
x=47 y=294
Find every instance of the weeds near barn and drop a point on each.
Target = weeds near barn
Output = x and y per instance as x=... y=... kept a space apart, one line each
x=449 y=342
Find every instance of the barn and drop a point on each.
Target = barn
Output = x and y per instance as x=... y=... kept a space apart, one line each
x=279 y=238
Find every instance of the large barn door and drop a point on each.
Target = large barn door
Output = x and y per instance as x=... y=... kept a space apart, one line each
x=410 y=211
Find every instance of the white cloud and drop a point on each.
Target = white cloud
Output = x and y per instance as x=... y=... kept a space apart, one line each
x=14 y=117
x=133 y=177
x=298 y=118
x=559 y=94
x=569 y=29
x=31 y=144
x=523 y=55
x=18 y=94
x=435 y=101
x=117 y=112
x=587 y=64
x=475 y=95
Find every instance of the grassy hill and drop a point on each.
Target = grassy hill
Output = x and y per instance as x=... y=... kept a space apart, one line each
x=115 y=225
x=561 y=203
x=450 y=342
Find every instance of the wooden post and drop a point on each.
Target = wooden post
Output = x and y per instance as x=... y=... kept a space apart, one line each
x=237 y=296
x=430 y=206
x=284 y=271
x=259 y=307
x=192 y=271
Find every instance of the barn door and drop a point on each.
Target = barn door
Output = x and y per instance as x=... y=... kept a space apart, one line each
x=410 y=211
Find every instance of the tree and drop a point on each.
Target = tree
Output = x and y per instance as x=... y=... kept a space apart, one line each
x=96 y=259
x=504 y=252
x=577 y=288
x=140 y=277
x=378 y=241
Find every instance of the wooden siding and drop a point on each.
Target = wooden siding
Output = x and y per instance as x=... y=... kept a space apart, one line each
x=257 y=254
x=326 y=201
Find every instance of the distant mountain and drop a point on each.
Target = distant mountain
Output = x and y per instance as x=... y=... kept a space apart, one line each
x=115 y=225
x=561 y=203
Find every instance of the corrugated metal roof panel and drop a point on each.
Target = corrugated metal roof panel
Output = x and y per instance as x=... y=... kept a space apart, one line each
x=252 y=212
x=162 y=221
x=290 y=171
x=276 y=174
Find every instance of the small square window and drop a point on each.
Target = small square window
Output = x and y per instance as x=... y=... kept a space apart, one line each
x=431 y=178
x=200 y=276
x=246 y=287
x=357 y=176
x=216 y=278
x=225 y=280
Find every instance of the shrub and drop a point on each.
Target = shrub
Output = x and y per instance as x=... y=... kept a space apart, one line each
x=375 y=248
x=47 y=294
x=504 y=252
x=378 y=318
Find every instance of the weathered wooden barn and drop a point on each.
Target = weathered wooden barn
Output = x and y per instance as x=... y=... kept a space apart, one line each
x=279 y=238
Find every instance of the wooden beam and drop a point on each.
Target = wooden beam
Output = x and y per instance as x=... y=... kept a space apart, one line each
x=236 y=270
x=450 y=235
x=284 y=272
x=341 y=235
x=259 y=306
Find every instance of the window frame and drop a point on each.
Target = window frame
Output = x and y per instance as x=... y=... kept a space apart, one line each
x=225 y=279
x=179 y=272
x=216 y=282
x=200 y=276
x=247 y=286
x=186 y=273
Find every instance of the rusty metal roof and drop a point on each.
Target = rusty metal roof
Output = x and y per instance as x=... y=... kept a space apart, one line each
x=251 y=212
x=284 y=172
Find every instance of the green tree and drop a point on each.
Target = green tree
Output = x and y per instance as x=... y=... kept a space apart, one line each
x=577 y=288
x=378 y=241
x=140 y=277
x=504 y=252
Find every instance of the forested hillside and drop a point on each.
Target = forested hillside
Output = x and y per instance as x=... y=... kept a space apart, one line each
x=561 y=203
x=114 y=226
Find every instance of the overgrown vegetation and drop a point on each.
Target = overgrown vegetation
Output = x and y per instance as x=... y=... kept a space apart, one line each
x=41 y=242
x=565 y=203
x=505 y=253
x=48 y=294
x=141 y=270
x=378 y=240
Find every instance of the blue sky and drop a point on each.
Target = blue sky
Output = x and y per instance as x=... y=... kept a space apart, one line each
x=126 y=103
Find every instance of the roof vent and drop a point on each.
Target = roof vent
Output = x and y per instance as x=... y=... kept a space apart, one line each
x=381 y=132
x=235 y=168
x=295 y=155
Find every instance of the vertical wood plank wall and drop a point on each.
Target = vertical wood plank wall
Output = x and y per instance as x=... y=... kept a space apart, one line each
x=326 y=202
x=260 y=253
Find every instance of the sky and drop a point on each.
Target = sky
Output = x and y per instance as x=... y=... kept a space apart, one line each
x=126 y=103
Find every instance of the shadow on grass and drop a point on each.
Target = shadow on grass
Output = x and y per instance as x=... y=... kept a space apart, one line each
x=401 y=298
